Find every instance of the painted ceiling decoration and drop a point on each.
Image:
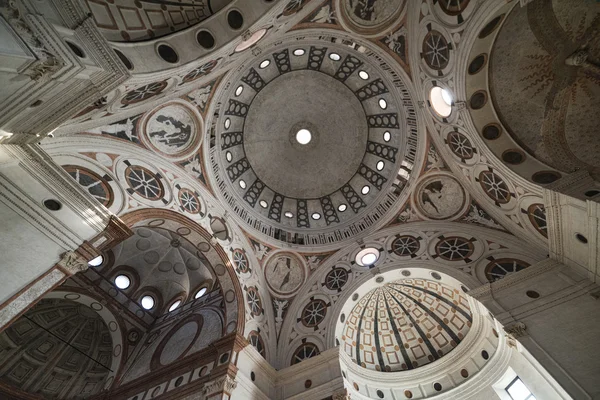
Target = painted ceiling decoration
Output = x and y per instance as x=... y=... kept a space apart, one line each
x=256 y=165
x=405 y=324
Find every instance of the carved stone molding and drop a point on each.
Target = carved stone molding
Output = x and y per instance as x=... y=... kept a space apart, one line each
x=72 y=263
x=516 y=330
x=224 y=384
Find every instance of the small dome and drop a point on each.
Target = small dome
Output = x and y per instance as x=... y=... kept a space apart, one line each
x=405 y=324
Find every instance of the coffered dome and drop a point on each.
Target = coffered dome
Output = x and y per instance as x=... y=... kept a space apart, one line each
x=66 y=343
x=311 y=144
x=405 y=324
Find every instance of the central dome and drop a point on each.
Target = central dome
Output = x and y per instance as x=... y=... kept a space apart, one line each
x=335 y=120
x=313 y=140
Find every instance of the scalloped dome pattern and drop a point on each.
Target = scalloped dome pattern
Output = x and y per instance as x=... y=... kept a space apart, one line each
x=406 y=324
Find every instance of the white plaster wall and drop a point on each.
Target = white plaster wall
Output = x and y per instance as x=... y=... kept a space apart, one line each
x=25 y=252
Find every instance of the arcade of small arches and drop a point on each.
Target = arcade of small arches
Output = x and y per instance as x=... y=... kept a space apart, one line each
x=300 y=199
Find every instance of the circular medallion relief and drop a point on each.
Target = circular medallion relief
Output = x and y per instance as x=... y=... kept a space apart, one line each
x=172 y=130
x=284 y=274
x=370 y=16
x=440 y=197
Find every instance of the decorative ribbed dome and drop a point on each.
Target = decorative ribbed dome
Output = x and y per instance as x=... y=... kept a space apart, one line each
x=311 y=141
x=405 y=324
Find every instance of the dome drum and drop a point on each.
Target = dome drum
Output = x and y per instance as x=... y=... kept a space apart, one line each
x=344 y=178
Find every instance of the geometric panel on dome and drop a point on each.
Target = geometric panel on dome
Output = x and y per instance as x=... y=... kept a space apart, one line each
x=315 y=57
x=302 y=217
x=231 y=139
x=329 y=210
x=389 y=120
x=371 y=89
x=356 y=203
x=237 y=108
x=254 y=80
x=373 y=177
x=282 y=60
x=383 y=151
x=349 y=65
x=253 y=193
x=66 y=345
x=276 y=207
x=237 y=169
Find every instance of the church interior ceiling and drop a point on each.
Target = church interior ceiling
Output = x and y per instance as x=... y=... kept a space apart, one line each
x=202 y=159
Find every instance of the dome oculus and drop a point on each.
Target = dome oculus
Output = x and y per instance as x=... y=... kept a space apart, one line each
x=303 y=136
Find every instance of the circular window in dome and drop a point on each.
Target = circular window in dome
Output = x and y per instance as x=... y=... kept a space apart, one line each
x=242 y=184
x=168 y=53
x=126 y=61
x=365 y=189
x=382 y=104
x=441 y=101
x=299 y=52
x=380 y=165
x=239 y=90
x=205 y=39
x=363 y=75
x=289 y=214
x=96 y=261
x=342 y=207
x=367 y=257
x=264 y=64
x=228 y=156
x=303 y=136
x=122 y=282
x=200 y=293
x=75 y=49
x=334 y=56
x=387 y=136
x=235 y=19
x=175 y=305
x=147 y=302
x=316 y=216
x=227 y=123
x=263 y=204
